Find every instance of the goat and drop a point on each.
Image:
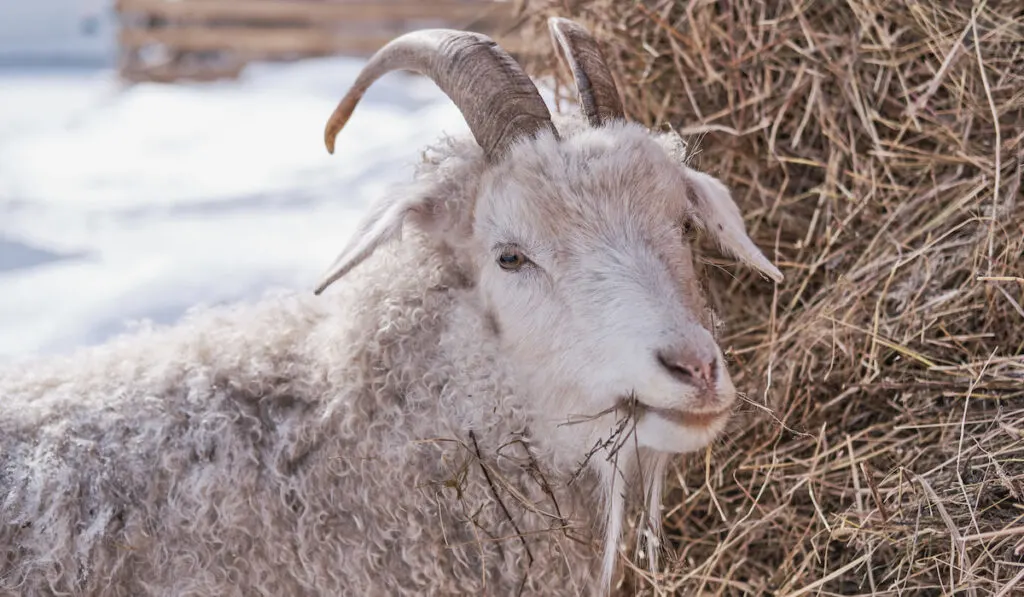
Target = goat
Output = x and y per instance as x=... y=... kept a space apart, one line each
x=516 y=346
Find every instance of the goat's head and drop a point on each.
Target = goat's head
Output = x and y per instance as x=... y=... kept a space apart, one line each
x=580 y=245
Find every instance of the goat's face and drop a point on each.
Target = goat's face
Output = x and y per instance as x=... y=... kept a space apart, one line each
x=585 y=270
x=579 y=247
x=580 y=244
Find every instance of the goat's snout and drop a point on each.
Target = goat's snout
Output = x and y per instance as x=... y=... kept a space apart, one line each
x=690 y=367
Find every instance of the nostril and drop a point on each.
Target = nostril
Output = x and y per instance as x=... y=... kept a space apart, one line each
x=678 y=371
x=689 y=370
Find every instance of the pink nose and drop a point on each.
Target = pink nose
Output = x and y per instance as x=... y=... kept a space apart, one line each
x=689 y=368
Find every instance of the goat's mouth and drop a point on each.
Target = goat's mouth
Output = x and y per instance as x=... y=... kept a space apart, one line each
x=679 y=416
x=687 y=418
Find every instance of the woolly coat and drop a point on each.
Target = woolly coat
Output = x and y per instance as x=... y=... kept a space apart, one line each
x=301 y=445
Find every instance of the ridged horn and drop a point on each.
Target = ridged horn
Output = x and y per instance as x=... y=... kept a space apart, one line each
x=595 y=87
x=498 y=100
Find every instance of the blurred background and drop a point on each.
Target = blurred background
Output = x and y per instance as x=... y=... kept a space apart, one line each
x=161 y=154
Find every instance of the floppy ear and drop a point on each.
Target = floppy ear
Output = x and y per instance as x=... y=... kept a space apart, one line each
x=718 y=215
x=381 y=225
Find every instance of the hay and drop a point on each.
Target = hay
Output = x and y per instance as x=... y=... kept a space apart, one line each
x=881 y=446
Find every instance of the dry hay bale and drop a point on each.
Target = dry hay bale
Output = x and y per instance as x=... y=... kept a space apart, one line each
x=880 y=446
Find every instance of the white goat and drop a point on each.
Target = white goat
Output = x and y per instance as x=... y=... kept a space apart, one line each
x=523 y=351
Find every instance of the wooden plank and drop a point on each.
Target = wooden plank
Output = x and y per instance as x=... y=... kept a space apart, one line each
x=296 y=11
x=169 y=73
x=250 y=40
x=263 y=42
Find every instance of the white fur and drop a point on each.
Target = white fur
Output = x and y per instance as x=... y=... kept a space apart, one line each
x=321 y=445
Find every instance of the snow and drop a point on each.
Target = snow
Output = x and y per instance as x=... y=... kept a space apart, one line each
x=123 y=203
x=48 y=31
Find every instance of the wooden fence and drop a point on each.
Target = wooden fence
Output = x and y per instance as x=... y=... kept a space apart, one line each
x=168 y=40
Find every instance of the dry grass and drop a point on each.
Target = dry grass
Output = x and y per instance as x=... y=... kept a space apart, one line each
x=876 y=148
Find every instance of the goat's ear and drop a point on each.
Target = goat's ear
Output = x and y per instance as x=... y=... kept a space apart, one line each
x=717 y=213
x=381 y=225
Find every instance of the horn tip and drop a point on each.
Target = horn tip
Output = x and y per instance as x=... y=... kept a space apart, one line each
x=339 y=118
x=330 y=136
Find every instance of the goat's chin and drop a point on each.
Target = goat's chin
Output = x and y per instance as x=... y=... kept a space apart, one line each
x=666 y=435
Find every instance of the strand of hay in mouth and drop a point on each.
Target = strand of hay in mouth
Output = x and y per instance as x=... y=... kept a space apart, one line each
x=876 y=148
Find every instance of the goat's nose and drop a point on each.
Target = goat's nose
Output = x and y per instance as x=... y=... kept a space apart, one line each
x=689 y=368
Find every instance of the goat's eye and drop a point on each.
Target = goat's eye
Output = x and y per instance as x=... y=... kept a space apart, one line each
x=511 y=259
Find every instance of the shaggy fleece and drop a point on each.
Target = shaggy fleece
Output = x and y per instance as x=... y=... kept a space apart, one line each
x=301 y=445
x=285 y=448
x=368 y=441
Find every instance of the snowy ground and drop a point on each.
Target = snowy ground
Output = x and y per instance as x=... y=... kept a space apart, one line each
x=128 y=203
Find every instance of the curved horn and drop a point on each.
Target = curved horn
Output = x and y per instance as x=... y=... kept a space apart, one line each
x=599 y=97
x=495 y=96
